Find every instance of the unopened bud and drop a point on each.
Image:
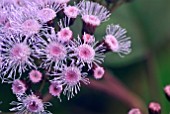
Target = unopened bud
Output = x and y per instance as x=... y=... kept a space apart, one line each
x=167 y=92
x=154 y=108
x=134 y=111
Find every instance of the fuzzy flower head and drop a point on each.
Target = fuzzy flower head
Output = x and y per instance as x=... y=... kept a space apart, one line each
x=46 y=14
x=88 y=38
x=88 y=53
x=71 y=11
x=47 y=9
x=35 y=76
x=30 y=104
x=16 y=56
x=24 y=22
x=18 y=87
x=70 y=77
x=98 y=72
x=30 y=26
x=93 y=13
x=52 y=51
x=55 y=88
x=116 y=39
x=65 y=34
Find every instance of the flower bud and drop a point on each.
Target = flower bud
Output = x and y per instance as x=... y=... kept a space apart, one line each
x=154 y=108
x=167 y=92
x=134 y=111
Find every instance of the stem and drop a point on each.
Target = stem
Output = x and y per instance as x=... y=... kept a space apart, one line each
x=113 y=87
x=42 y=85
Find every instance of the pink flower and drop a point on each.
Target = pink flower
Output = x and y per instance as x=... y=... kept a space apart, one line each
x=88 y=38
x=65 y=34
x=20 y=52
x=93 y=13
x=154 y=108
x=31 y=104
x=46 y=14
x=55 y=88
x=88 y=53
x=70 y=77
x=134 y=111
x=31 y=27
x=52 y=51
x=35 y=76
x=17 y=57
x=98 y=72
x=71 y=11
x=116 y=40
x=18 y=87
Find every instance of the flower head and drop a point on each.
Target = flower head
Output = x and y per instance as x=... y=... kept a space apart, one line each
x=93 y=14
x=65 y=34
x=30 y=104
x=71 y=11
x=46 y=14
x=88 y=53
x=35 y=76
x=116 y=39
x=98 y=72
x=17 y=56
x=154 y=108
x=18 y=87
x=55 y=88
x=88 y=38
x=51 y=51
x=24 y=21
x=47 y=9
x=70 y=77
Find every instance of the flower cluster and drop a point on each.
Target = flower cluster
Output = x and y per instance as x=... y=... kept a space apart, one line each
x=34 y=49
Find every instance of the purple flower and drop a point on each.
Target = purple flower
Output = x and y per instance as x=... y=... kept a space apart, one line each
x=30 y=104
x=116 y=39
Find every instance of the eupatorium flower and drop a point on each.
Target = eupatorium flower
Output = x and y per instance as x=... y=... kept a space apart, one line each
x=65 y=34
x=88 y=53
x=18 y=87
x=71 y=77
x=31 y=104
x=93 y=14
x=24 y=21
x=52 y=51
x=116 y=39
x=16 y=52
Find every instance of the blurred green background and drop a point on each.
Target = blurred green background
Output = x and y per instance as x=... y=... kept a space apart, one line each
x=145 y=71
